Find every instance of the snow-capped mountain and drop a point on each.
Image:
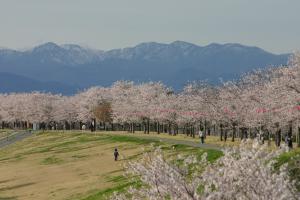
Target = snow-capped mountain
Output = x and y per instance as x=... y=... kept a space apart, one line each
x=68 y=54
x=174 y=64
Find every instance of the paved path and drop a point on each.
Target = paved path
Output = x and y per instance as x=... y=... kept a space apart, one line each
x=189 y=143
x=184 y=142
x=178 y=141
x=20 y=135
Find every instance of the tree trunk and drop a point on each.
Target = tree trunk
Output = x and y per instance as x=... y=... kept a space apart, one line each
x=169 y=129
x=221 y=132
x=233 y=133
x=214 y=129
x=298 y=142
x=104 y=126
x=278 y=138
x=133 y=127
x=225 y=134
x=205 y=128
x=193 y=131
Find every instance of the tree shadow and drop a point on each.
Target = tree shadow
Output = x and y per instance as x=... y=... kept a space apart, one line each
x=15 y=187
x=5 y=181
x=8 y=198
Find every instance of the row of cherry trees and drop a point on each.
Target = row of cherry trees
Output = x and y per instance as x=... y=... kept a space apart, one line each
x=267 y=99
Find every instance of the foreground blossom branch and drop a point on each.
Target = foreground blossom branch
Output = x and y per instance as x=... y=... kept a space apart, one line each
x=247 y=173
x=163 y=178
x=242 y=173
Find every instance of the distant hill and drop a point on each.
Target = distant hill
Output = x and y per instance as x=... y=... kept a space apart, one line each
x=16 y=83
x=174 y=64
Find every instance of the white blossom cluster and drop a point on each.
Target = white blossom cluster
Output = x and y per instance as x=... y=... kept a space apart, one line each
x=247 y=173
x=244 y=173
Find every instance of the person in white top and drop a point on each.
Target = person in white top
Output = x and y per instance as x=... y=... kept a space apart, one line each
x=201 y=135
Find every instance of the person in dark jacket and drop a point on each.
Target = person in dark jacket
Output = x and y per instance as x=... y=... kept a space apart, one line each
x=278 y=135
x=116 y=154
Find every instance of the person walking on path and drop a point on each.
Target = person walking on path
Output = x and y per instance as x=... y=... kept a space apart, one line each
x=116 y=154
x=201 y=135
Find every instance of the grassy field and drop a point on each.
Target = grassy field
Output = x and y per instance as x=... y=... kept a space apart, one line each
x=74 y=165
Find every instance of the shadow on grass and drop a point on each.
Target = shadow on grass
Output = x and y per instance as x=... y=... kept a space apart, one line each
x=122 y=185
x=52 y=160
x=5 y=181
x=8 y=198
x=15 y=186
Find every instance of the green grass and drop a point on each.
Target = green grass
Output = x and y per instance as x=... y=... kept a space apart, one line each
x=286 y=158
x=212 y=154
x=129 y=139
x=292 y=159
x=185 y=151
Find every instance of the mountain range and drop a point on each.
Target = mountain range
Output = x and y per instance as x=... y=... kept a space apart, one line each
x=69 y=68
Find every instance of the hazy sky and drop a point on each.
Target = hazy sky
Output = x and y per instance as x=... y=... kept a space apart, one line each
x=105 y=24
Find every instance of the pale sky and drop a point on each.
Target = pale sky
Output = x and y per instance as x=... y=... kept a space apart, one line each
x=106 y=24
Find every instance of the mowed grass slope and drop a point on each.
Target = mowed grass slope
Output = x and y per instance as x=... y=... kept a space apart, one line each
x=74 y=165
x=58 y=166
